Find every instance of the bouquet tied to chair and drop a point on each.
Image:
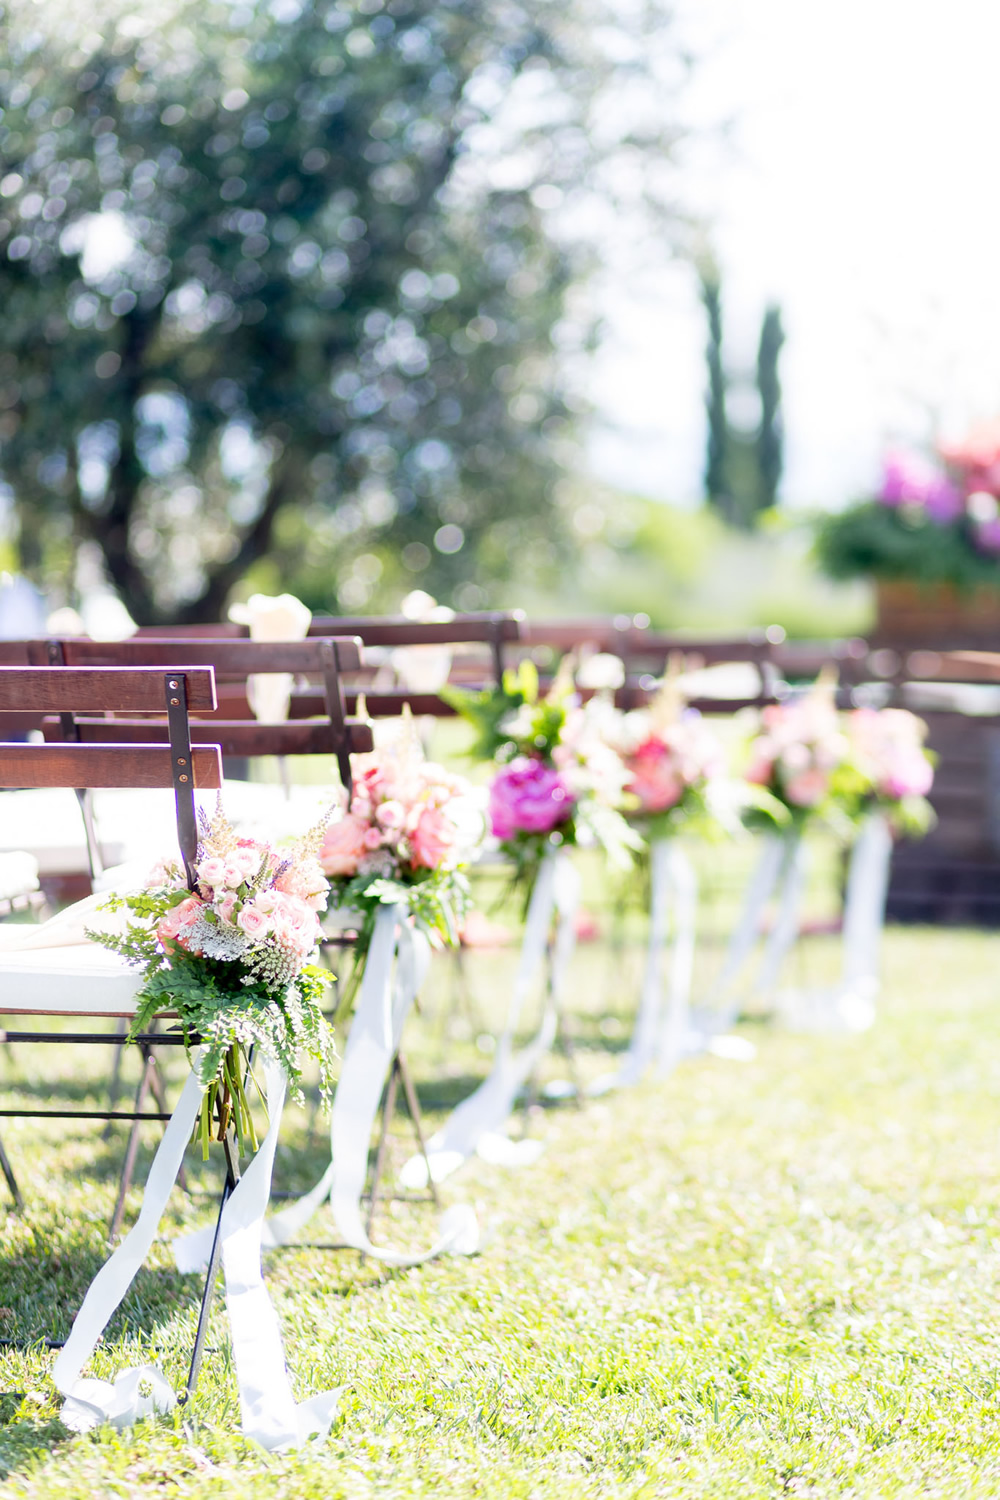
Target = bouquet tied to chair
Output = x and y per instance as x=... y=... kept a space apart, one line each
x=404 y=840
x=232 y=958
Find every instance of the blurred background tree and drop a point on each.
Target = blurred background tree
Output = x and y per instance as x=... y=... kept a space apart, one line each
x=284 y=294
x=744 y=457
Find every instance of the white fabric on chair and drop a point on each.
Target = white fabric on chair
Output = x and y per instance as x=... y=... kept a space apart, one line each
x=53 y=968
x=84 y=979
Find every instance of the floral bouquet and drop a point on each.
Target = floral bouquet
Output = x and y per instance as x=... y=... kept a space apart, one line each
x=559 y=780
x=933 y=520
x=887 y=750
x=410 y=830
x=231 y=958
x=672 y=760
x=802 y=758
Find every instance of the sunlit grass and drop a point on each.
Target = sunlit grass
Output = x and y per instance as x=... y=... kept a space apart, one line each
x=746 y=1280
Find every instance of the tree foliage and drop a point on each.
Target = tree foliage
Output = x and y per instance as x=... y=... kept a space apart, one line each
x=260 y=311
x=231 y=291
x=743 y=467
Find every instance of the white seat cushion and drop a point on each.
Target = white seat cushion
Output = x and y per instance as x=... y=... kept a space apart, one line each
x=79 y=979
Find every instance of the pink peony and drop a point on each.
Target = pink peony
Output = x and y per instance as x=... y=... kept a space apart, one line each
x=343 y=845
x=432 y=839
x=253 y=922
x=528 y=797
x=653 y=776
x=305 y=879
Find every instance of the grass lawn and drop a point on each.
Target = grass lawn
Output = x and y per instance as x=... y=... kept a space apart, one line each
x=750 y=1279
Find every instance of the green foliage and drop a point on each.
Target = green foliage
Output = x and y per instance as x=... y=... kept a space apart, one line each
x=511 y=719
x=901 y=542
x=297 y=326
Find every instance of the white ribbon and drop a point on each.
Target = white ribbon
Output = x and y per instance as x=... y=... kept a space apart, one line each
x=864 y=904
x=850 y=1005
x=269 y=1413
x=384 y=1001
x=476 y=1125
x=673 y=893
x=782 y=865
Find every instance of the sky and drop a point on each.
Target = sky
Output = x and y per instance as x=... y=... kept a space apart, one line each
x=859 y=191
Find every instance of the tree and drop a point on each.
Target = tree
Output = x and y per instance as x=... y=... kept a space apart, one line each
x=743 y=463
x=771 y=435
x=258 y=307
x=717 y=439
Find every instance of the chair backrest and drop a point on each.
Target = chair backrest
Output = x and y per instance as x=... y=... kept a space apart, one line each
x=233 y=661
x=173 y=762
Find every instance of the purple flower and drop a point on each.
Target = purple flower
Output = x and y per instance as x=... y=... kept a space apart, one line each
x=528 y=797
x=909 y=479
x=987 y=534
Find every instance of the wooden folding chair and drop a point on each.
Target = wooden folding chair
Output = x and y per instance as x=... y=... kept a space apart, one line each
x=85 y=981
x=233 y=660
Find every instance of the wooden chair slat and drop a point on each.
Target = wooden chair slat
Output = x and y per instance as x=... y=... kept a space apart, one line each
x=238 y=657
x=244 y=737
x=108 y=689
x=93 y=766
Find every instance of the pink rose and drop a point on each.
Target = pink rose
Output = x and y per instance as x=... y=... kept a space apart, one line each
x=373 y=838
x=233 y=876
x=247 y=858
x=212 y=872
x=172 y=924
x=391 y=814
x=528 y=797
x=226 y=905
x=432 y=839
x=343 y=846
x=253 y=922
x=265 y=901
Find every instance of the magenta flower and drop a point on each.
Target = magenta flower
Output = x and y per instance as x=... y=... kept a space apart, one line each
x=528 y=797
x=909 y=479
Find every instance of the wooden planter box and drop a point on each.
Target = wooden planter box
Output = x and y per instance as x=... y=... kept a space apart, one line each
x=936 y=617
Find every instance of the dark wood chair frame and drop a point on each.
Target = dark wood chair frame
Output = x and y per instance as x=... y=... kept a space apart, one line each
x=173 y=762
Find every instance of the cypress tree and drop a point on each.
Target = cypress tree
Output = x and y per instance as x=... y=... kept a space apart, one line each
x=771 y=434
x=717 y=441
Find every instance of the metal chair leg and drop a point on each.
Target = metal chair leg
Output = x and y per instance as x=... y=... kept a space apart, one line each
x=215 y=1255
x=388 y=1109
x=564 y=1032
x=11 y=1180
x=413 y=1107
x=128 y=1166
x=115 y=1085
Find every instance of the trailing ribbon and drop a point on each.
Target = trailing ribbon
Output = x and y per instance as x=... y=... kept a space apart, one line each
x=384 y=1002
x=658 y=1035
x=270 y=1414
x=476 y=1124
x=782 y=865
x=850 y=1005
